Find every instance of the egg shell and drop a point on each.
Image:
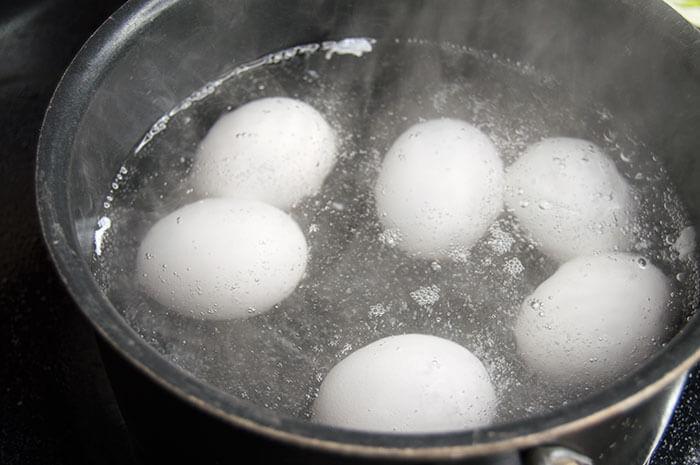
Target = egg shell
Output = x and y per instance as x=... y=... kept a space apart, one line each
x=594 y=319
x=569 y=196
x=439 y=188
x=277 y=150
x=407 y=384
x=222 y=258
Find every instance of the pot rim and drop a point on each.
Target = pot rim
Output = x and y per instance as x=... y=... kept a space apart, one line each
x=63 y=116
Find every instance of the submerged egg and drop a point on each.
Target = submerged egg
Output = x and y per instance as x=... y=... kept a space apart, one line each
x=277 y=150
x=570 y=198
x=594 y=319
x=409 y=384
x=222 y=258
x=440 y=188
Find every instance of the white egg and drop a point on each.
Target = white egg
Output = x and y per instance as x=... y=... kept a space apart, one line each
x=569 y=196
x=222 y=258
x=409 y=384
x=277 y=150
x=440 y=187
x=594 y=319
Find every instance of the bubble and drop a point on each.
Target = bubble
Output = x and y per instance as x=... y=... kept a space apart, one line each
x=390 y=237
x=544 y=205
x=513 y=267
x=426 y=296
x=500 y=241
x=377 y=310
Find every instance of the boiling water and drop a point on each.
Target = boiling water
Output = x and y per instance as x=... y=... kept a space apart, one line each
x=358 y=286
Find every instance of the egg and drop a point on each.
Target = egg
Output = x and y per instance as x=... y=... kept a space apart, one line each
x=411 y=383
x=439 y=188
x=277 y=150
x=222 y=258
x=594 y=319
x=571 y=199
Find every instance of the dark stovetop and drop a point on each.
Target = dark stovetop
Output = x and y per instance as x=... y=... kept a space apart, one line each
x=56 y=405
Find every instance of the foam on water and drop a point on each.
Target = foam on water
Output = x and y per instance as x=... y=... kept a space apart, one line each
x=360 y=287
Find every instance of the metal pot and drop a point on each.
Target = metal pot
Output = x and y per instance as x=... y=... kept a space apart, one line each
x=152 y=54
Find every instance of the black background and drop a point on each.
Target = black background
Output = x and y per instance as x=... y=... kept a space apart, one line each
x=56 y=405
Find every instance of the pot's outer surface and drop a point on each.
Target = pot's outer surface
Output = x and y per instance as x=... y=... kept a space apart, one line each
x=638 y=58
